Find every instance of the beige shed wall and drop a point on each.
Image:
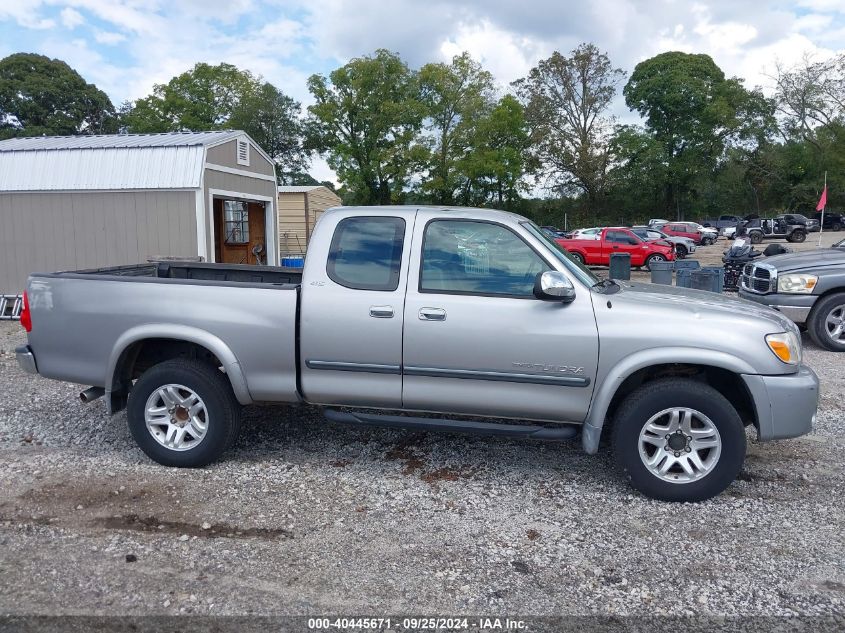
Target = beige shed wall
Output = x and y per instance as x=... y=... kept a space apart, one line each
x=225 y=155
x=292 y=225
x=48 y=232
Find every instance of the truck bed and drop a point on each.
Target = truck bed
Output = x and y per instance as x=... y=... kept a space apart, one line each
x=234 y=273
x=84 y=320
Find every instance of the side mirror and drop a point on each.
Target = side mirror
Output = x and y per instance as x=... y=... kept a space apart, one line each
x=554 y=286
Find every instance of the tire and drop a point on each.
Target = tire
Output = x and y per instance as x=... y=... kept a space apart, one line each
x=756 y=237
x=830 y=308
x=648 y=403
x=836 y=226
x=653 y=258
x=220 y=413
x=797 y=236
x=681 y=251
x=577 y=257
x=706 y=241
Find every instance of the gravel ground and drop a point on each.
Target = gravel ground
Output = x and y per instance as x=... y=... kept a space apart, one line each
x=306 y=517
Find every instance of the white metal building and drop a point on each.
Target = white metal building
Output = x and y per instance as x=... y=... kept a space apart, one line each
x=92 y=201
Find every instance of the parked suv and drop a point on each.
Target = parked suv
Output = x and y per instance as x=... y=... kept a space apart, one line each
x=683 y=245
x=832 y=221
x=812 y=226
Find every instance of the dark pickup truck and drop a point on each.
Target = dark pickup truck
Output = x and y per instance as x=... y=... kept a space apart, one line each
x=807 y=287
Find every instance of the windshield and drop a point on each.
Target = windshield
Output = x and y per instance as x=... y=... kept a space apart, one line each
x=584 y=274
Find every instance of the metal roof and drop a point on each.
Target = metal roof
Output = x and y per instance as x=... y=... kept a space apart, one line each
x=108 y=162
x=298 y=188
x=110 y=141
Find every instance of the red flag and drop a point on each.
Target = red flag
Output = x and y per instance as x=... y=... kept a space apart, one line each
x=823 y=200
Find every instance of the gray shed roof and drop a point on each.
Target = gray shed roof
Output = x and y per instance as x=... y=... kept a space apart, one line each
x=174 y=160
x=112 y=141
x=298 y=188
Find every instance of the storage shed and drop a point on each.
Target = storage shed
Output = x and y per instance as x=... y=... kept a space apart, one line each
x=90 y=201
x=299 y=209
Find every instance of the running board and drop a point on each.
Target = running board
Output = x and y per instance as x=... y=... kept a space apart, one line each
x=530 y=431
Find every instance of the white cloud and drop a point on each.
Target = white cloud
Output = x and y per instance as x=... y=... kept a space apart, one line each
x=109 y=38
x=71 y=18
x=25 y=13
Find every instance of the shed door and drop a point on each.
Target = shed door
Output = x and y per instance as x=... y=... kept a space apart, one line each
x=240 y=231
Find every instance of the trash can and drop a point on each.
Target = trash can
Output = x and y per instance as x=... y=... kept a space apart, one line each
x=686 y=264
x=682 y=277
x=719 y=284
x=704 y=280
x=620 y=266
x=661 y=272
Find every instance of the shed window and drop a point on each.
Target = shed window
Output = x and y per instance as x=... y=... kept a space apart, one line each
x=236 y=222
x=243 y=151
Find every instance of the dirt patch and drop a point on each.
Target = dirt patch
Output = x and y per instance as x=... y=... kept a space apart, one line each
x=159 y=526
x=404 y=452
x=448 y=474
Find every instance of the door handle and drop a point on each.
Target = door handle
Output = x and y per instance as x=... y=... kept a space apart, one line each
x=432 y=314
x=381 y=312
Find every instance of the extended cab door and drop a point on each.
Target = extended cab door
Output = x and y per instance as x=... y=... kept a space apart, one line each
x=351 y=308
x=477 y=341
x=619 y=241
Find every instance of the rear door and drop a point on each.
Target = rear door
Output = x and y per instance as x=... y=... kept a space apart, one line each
x=619 y=241
x=352 y=308
x=477 y=341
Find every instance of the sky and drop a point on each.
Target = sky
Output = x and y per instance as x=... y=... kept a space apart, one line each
x=126 y=46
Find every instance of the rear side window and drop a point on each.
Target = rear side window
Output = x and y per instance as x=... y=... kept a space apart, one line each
x=366 y=253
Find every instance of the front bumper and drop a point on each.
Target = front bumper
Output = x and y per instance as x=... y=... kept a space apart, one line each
x=786 y=405
x=26 y=359
x=796 y=308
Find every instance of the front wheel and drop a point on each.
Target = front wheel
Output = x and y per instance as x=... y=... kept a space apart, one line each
x=677 y=439
x=827 y=323
x=837 y=226
x=183 y=413
x=681 y=251
x=796 y=236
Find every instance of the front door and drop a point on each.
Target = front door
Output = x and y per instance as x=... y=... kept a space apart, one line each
x=478 y=342
x=623 y=242
x=240 y=232
x=352 y=310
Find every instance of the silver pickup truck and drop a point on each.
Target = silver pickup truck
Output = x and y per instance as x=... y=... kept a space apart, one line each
x=463 y=320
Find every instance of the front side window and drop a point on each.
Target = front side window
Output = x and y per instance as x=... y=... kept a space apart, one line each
x=366 y=253
x=466 y=257
x=621 y=237
x=236 y=222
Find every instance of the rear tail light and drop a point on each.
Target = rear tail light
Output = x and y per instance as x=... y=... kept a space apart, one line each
x=26 y=317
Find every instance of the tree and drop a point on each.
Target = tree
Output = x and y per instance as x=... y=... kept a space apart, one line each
x=203 y=98
x=694 y=114
x=456 y=97
x=272 y=119
x=494 y=170
x=366 y=116
x=43 y=96
x=566 y=99
x=811 y=95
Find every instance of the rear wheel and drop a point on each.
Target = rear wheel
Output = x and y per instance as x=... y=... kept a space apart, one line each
x=796 y=236
x=183 y=413
x=681 y=251
x=654 y=259
x=577 y=257
x=756 y=237
x=836 y=226
x=678 y=440
x=827 y=323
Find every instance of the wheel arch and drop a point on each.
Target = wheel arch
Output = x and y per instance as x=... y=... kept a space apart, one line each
x=179 y=341
x=719 y=369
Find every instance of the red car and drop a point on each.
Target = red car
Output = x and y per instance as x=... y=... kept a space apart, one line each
x=682 y=229
x=618 y=240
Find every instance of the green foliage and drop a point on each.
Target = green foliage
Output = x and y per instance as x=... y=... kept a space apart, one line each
x=203 y=98
x=366 y=117
x=566 y=99
x=43 y=96
x=456 y=98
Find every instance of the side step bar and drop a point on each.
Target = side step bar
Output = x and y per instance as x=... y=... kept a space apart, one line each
x=531 y=431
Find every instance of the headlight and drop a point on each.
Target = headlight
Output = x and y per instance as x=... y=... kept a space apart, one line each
x=786 y=346
x=797 y=283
